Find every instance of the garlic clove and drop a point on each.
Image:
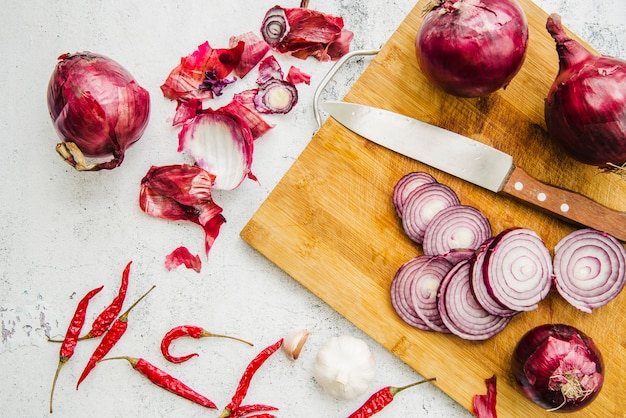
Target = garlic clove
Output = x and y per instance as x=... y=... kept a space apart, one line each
x=293 y=343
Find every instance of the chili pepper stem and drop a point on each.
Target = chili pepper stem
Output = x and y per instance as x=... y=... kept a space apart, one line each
x=131 y=360
x=394 y=391
x=205 y=333
x=62 y=362
x=124 y=316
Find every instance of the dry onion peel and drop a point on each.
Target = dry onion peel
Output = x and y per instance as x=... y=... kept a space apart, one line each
x=182 y=192
x=304 y=32
x=198 y=73
x=180 y=256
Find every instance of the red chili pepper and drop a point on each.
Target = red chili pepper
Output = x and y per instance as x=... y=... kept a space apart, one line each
x=113 y=335
x=248 y=409
x=166 y=381
x=246 y=378
x=71 y=336
x=108 y=315
x=188 y=331
x=379 y=400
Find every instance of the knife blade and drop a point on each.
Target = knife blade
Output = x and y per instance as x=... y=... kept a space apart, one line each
x=474 y=162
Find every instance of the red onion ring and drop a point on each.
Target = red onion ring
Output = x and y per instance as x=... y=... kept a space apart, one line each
x=422 y=205
x=479 y=285
x=456 y=227
x=589 y=268
x=406 y=185
x=401 y=291
x=460 y=311
x=517 y=269
x=424 y=289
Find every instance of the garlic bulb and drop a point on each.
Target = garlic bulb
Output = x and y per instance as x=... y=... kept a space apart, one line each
x=344 y=367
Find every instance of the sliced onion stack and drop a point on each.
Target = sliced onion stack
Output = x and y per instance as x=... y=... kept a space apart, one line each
x=589 y=268
x=424 y=288
x=517 y=269
x=480 y=288
x=460 y=311
x=422 y=205
x=406 y=185
x=456 y=227
x=401 y=299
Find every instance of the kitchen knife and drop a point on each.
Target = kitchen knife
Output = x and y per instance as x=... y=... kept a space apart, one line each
x=474 y=162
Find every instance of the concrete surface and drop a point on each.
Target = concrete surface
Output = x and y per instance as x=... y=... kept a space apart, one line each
x=63 y=232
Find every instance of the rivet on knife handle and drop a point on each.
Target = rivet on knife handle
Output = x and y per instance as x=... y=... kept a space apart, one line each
x=566 y=204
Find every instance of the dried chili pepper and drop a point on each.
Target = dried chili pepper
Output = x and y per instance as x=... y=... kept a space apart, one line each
x=188 y=331
x=108 y=315
x=166 y=381
x=381 y=399
x=71 y=336
x=244 y=383
x=244 y=410
x=111 y=338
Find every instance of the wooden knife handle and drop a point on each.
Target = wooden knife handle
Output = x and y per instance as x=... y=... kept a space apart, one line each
x=565 y=204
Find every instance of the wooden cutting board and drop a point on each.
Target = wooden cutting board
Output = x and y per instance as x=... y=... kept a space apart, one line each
x=330 y=222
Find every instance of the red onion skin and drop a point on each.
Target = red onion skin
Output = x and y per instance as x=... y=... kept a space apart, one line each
x=96 y=104
x=471 y=48
x=585 y=110
x=538 y=391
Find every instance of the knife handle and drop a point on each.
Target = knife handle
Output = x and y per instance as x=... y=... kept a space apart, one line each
x=565 y=204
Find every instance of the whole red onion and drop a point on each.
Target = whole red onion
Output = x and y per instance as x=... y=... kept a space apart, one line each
x=97 y=108
x=558 y=367
x=471 y=48
x=585 y=110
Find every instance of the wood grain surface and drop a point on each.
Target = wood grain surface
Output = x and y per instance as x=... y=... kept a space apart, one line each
x=331 y=225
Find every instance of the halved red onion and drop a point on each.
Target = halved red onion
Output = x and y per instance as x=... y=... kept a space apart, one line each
x=479 y=285
x=406 y=185
x=221 y=143
x=422 y=205
x=456 y=227
x=589 y=268
x=401 y=299
x=460 y=311
x=424 y=289
x=517 y=269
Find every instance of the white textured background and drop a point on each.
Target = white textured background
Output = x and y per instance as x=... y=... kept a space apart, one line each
x=63 y=232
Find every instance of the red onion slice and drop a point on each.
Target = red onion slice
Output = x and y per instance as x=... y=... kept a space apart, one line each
x=422 y=205
x=460 y=311
x=401 y=291
x=406 y=185
x=589 y=268
x=456 y=227
x=517 y=269
x=479 y=285
x=424 y=289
